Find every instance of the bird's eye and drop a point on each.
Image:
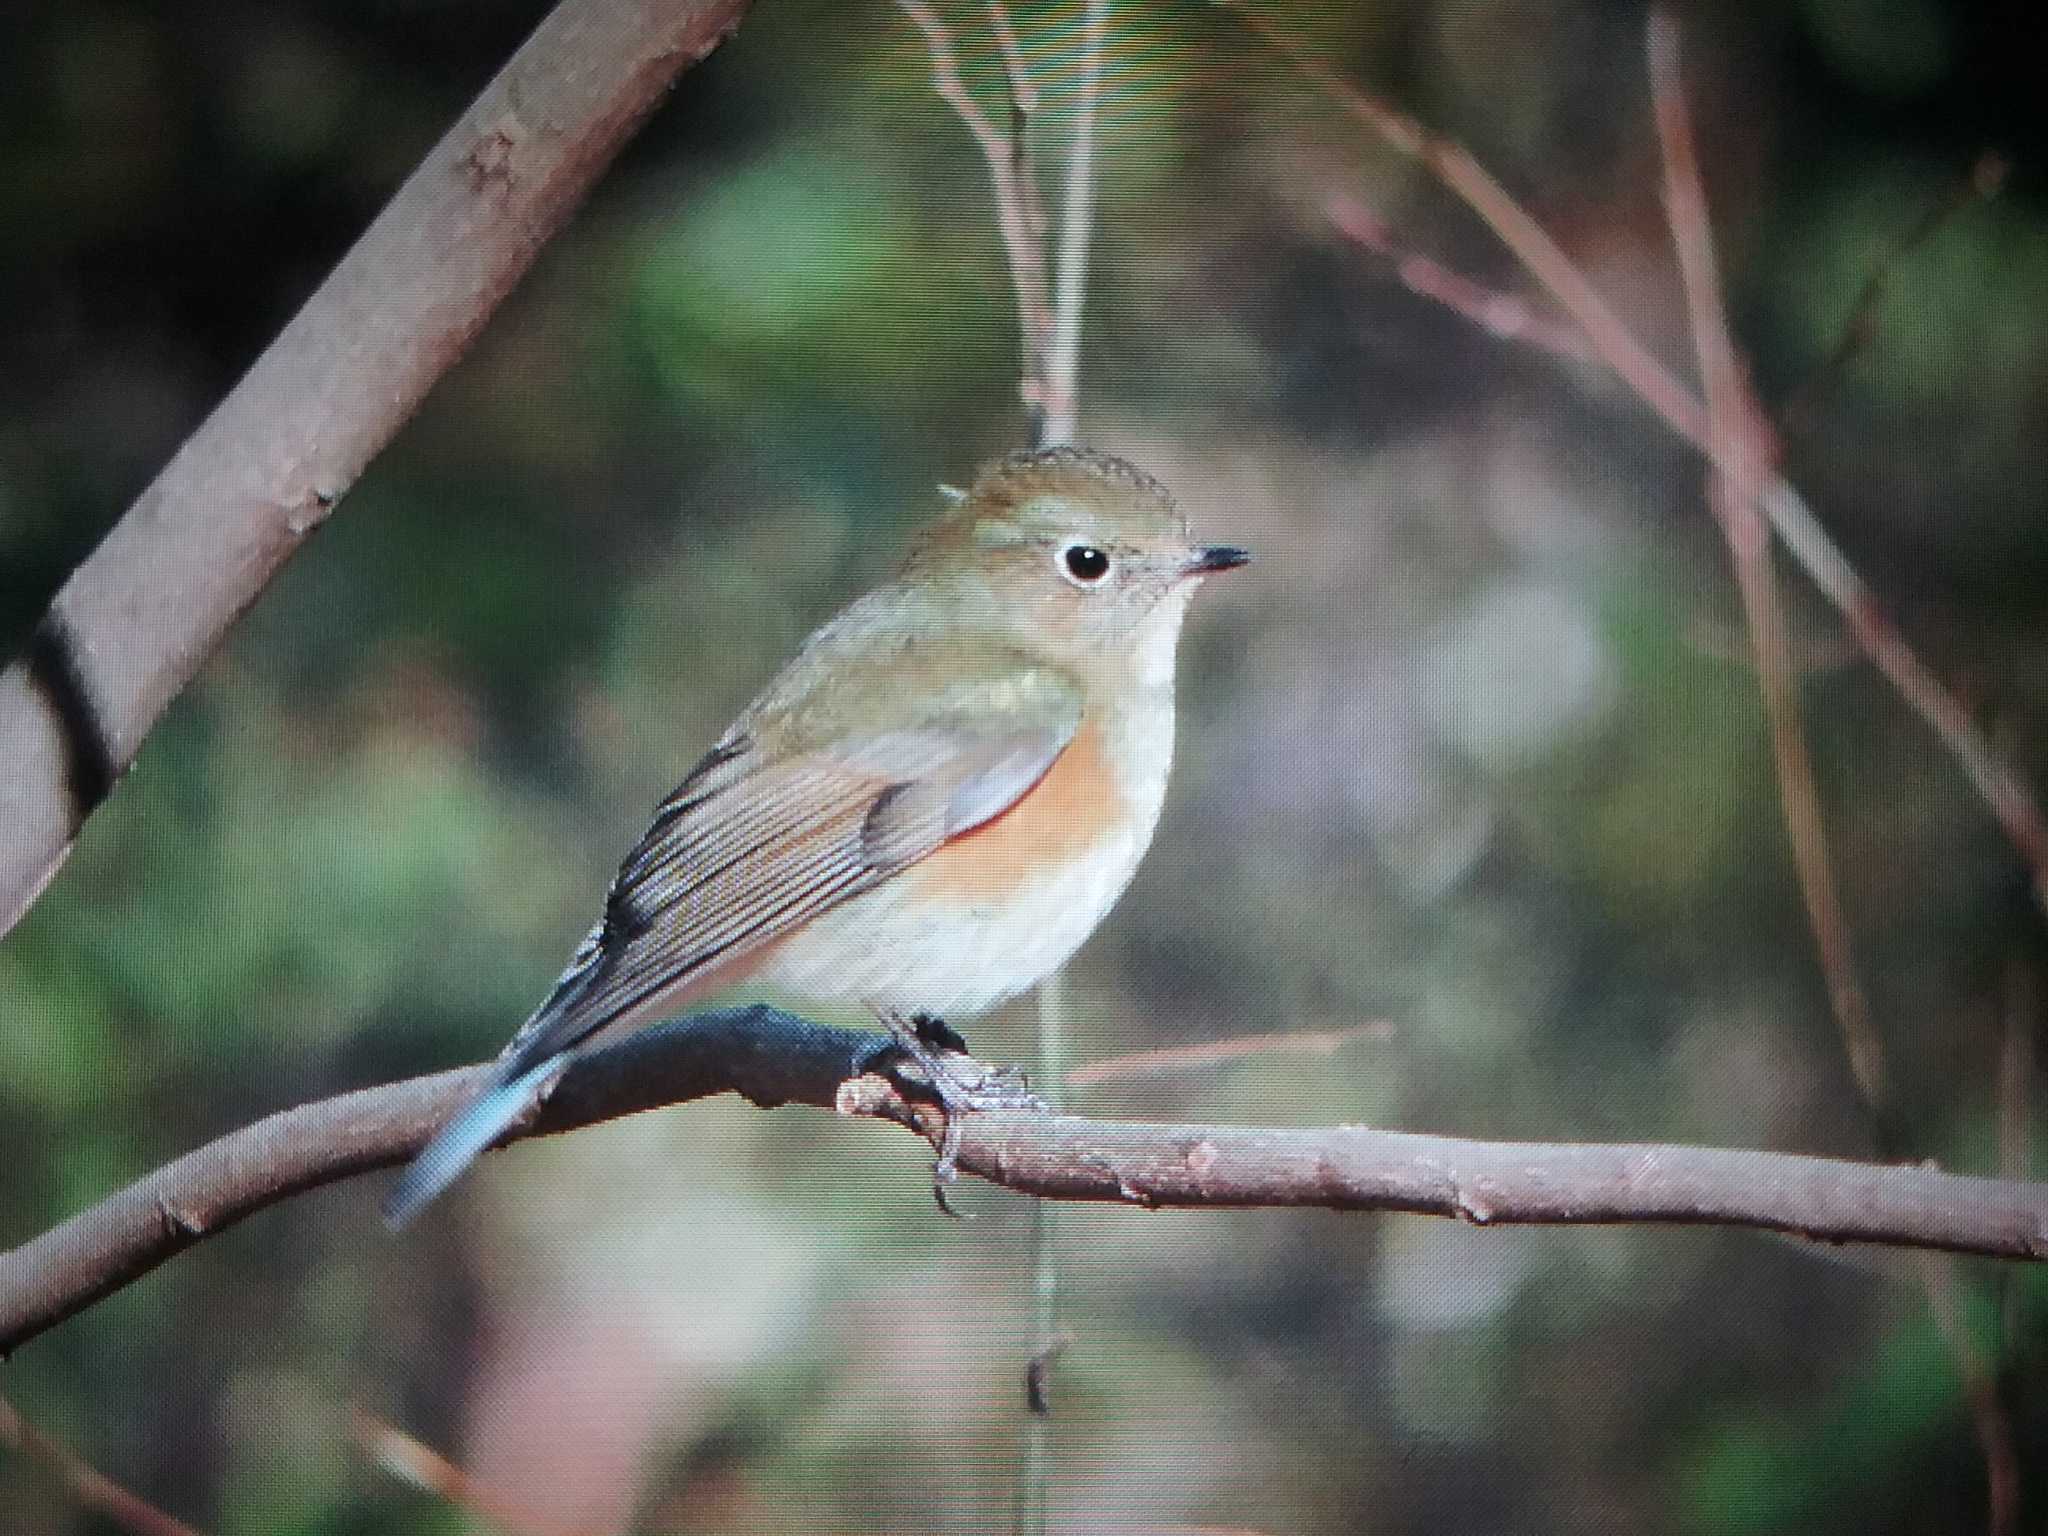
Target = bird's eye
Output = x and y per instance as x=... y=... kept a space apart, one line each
x=1084 y=564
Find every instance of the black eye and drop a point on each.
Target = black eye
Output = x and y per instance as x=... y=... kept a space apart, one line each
x=1085 y=563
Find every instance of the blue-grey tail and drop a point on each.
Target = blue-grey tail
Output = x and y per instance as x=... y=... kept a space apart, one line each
x=461 y=1142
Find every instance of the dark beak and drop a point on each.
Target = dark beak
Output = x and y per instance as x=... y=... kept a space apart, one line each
x=1218 y=557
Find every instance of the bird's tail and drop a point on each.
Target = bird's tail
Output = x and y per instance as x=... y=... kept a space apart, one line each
x=461 y=1142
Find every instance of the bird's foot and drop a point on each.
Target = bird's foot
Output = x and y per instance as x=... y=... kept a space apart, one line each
x=961 y=1084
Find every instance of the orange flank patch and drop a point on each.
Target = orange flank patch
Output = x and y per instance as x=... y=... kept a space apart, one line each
x=1060 y=820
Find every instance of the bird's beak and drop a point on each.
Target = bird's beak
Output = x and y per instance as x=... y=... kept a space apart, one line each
x=1217 y=557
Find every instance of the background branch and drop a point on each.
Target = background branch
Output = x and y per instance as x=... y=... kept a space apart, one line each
x=772 y=1057
x=135 y=621
x=93 y=1489
x=1997 y=783
x=1739 y=437
x=1062 y=394
x=1016 y=196
x=1739 y=434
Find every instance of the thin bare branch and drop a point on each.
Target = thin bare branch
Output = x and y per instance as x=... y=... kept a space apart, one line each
x=414 y=1462
x=1023 y=94
x=1203 y=1055
x=1508 y=316
x=1738 y=436
x=2019 y=1009
x=1023 y=107
x=2003 y=790
x=773 y=1057
x=1077 y=218
x=93 y=1490
x=135 y=621
x=1009 y=175
x=1941 y=1280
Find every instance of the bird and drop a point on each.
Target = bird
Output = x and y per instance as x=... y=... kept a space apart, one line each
x=925 y=812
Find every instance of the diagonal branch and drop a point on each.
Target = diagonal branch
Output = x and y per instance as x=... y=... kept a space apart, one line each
x=93 y=1489
x=420 y=1465
x=136 y=620
x=773 y=1057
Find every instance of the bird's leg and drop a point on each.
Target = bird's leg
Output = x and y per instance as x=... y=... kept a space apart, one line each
x=928 y=1041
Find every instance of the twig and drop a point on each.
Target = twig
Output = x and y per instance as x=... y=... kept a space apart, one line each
x=1984 y=182
x=1168 y=1059
x=1009 y=175
x=94 y=1490
x=1508 y=316
x=1995 y=780
x=1031 y=1511
x=414 y=1462
x=1023 y=107
x=1063 y=349
x=1023 y=94
x=136 y=620
x=773 y=1057
x=1942 y=1283
x=2018 y=1016
x=1738 y=436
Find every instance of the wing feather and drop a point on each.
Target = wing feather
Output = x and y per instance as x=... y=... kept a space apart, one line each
x=748 y=849
x=760 y=839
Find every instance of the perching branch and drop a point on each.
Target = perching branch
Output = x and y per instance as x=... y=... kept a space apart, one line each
x=136 y=620
x=772 y=1057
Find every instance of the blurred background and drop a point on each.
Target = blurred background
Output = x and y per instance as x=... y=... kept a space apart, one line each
x=1472 y=766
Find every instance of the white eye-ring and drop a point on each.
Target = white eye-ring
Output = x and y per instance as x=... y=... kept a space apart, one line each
x=1083 y=564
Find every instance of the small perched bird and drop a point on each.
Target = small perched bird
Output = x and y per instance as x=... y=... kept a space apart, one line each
x=927 y=811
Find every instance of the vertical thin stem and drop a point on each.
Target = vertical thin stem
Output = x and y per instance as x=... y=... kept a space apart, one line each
x=1034 y=1475
x=1063 y=353
x=1739 y=441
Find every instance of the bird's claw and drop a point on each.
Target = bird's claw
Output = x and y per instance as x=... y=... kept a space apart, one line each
x=961 y=1084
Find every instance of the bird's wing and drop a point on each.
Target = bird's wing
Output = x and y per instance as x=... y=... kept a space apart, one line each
x=751 y=845
x=758 y=840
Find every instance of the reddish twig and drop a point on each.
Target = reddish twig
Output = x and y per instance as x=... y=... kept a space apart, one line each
x=1171 y=1059
x=1739 y=436
x=136 y=620
x=414 y=1462
x=2000 y=786
x=93 y=1490
x=1508 y=316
